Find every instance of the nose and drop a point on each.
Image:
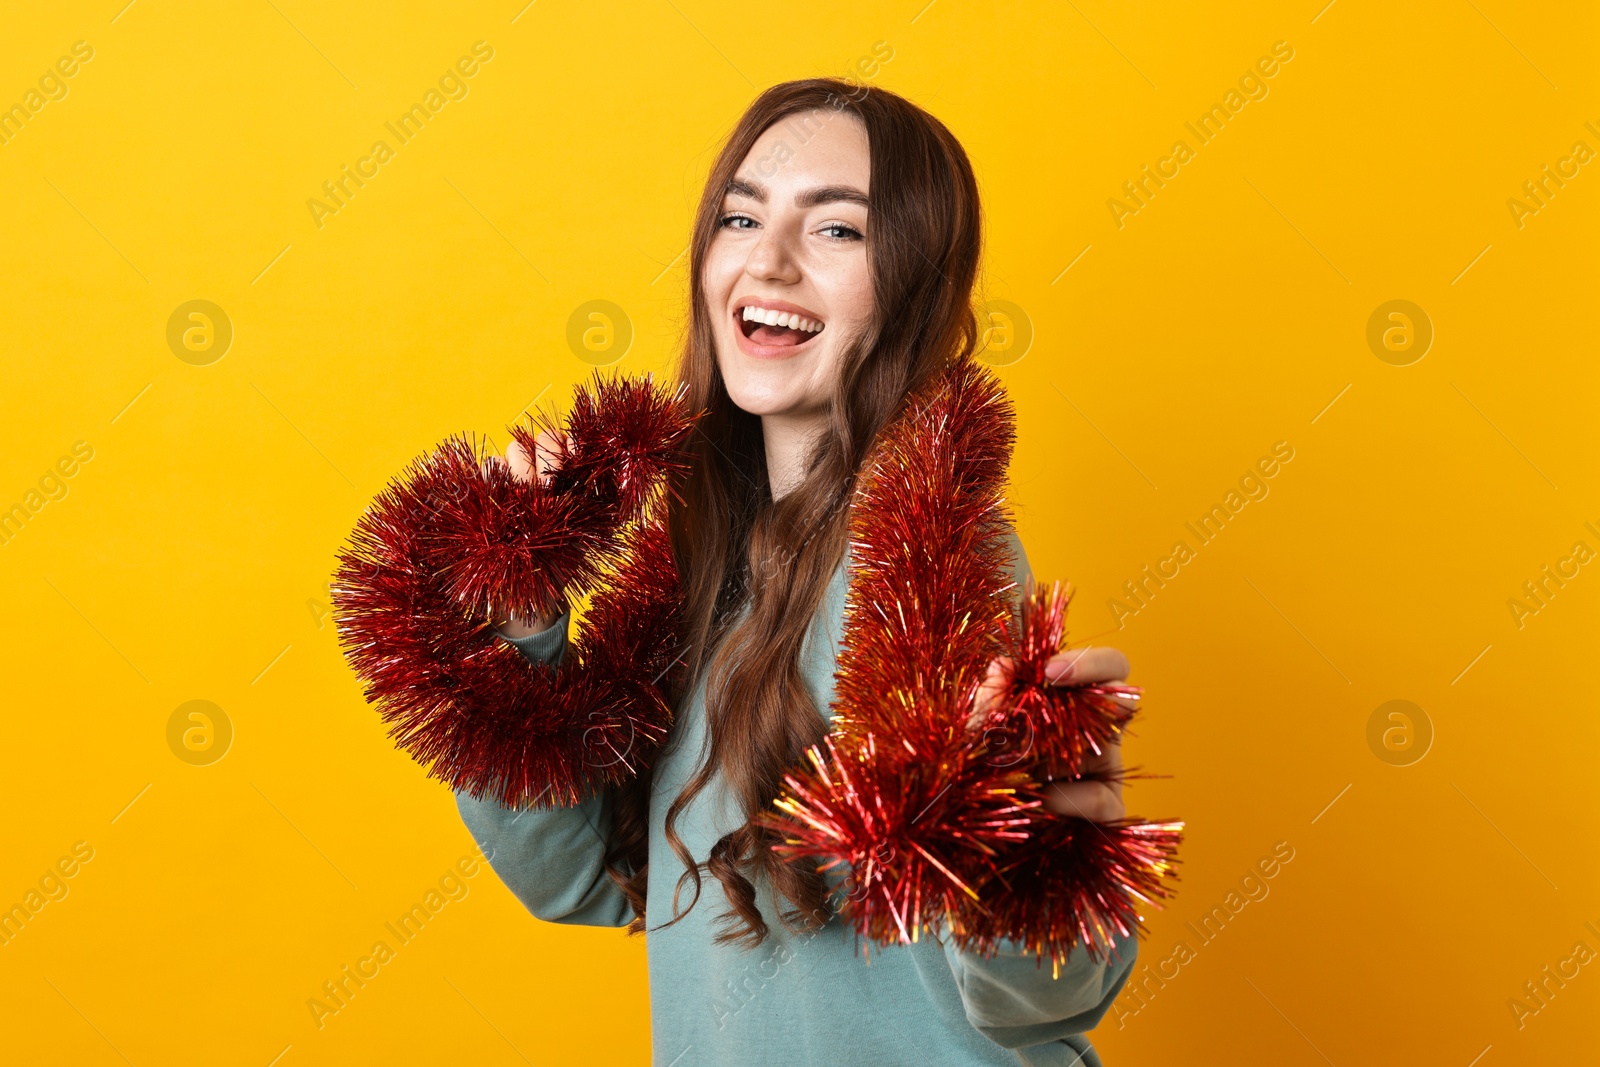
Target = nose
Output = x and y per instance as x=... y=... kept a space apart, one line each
x=772 y=258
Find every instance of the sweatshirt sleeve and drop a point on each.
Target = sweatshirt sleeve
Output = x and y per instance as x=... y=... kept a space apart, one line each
x=553 y=860
x=1013 y=1000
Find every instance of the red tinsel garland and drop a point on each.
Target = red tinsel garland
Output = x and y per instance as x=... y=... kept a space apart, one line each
x=456 y=538
x=940 y=824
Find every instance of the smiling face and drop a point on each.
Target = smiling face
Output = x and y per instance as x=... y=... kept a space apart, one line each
x=786 y=279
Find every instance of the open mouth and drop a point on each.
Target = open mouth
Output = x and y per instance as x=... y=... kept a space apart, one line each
x=776 y=329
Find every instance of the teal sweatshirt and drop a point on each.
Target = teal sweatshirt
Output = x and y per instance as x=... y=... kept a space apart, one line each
x=807 y=999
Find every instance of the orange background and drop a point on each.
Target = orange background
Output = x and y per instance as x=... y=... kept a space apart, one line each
x=187 y=558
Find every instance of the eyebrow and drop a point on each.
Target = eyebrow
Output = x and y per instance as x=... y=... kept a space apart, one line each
x=822 y=194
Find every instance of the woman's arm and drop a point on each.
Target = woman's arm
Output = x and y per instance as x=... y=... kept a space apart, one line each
x=553 y=860
x=1013 y=1000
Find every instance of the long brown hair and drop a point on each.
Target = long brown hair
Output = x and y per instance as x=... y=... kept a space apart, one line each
x=735 y=545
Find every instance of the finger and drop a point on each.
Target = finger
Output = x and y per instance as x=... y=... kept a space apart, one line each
x=1086 y=666
x=517 y=459
x=993 y=684
x=1084 y=800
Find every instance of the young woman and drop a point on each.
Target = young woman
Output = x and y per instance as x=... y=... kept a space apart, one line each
x=833 y=259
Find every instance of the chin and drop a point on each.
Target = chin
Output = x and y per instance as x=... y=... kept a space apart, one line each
x=757 y=401
x=760 y=388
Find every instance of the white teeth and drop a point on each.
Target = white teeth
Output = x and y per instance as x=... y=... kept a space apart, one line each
x=751 y=313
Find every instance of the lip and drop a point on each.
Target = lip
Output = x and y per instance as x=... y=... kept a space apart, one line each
x=760 y=351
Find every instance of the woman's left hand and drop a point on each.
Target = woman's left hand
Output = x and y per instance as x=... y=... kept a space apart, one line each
x=1100 y=801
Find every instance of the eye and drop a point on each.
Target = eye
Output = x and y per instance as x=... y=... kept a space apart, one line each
x=838 y=231
x=727 y=220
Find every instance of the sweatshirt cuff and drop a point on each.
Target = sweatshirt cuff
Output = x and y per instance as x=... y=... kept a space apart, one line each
x=546 y=646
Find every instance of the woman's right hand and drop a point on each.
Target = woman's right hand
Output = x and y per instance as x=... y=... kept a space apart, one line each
x=527 y=468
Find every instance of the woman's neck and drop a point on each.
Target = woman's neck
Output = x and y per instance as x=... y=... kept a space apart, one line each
x=788 y=440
